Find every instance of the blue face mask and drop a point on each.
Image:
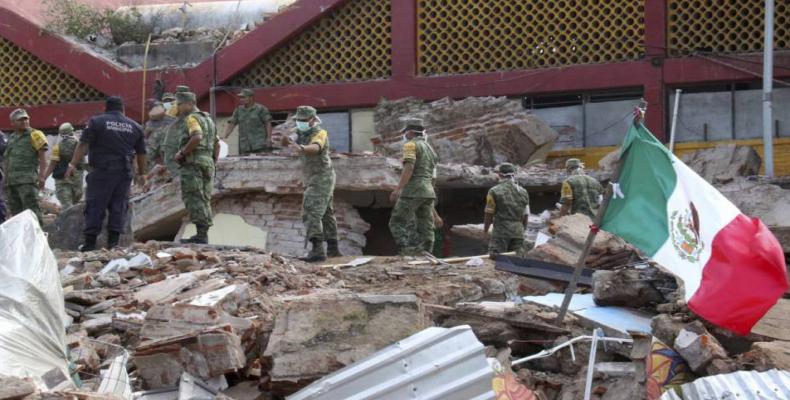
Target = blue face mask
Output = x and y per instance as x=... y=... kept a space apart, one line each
x=302 y=126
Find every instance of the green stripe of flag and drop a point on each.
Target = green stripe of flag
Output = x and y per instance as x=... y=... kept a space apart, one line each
x=647 y=180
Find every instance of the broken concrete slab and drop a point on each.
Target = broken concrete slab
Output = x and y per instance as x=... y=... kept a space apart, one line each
x=205 y=354
x=164 y=321
x=776 y=323
x=616 y=321
x=319 y=333
x=723 y=163
x=765 y=356
x=165 y=290
x=228 y=298
x=66 y=232
x=14 y=388
x=770 y=203
x=570 y=233
x=229 y=230
x=475 y=130
x=698 y=347
x=633 y=287
x=665 y=328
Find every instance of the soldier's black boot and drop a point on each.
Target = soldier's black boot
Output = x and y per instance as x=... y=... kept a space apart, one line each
x=112 y=239
x=332 y=250
x=201 y=237
x=317 y=253
x=90 y=243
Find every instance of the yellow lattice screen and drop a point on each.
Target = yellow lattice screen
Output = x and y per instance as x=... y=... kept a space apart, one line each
x=352 y=43
x=463 y=36
x=724 y=26
x=27 y=80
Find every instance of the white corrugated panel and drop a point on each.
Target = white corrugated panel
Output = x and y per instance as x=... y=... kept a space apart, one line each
x=741 y=385
x=436 y=363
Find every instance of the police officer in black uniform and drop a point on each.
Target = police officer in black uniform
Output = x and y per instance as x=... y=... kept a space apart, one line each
x=112 y=141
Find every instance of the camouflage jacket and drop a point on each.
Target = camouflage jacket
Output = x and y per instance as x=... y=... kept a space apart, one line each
x=418 y=152
x=581 y=192
x=508 y=203
x=21 y=156
x=203 y=154
x=318 y=171
x=252 y=126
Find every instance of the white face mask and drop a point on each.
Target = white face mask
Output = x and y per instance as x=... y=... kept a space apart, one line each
x=302 y=126
x=404 y=139
x=167 y=106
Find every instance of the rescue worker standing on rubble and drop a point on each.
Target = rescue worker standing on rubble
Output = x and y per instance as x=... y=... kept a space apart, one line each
x=25 y=165
x=580 y=192
x=507 y=207
x=254 y=122
x=197 y=157
x=111 y=140
x=67 y=189
x=412 y=220
x=318 y=213
x=155 y=128
x=171 y=138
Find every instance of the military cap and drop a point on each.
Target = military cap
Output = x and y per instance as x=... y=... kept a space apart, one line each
x=168 y=96
x=66 y=129
x=246 y=93
x=572 y=163
x=18 y=114
x=414 y=124
x=305 y=113
x=182 y=89
x=506 y=168
x=183 y=97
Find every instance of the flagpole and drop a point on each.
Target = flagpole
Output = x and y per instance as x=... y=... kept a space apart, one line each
x=566 y=301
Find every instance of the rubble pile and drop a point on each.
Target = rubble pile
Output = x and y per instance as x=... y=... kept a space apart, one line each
x=476 y=130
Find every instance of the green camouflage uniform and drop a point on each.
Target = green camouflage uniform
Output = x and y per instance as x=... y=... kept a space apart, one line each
x=197 y=170
x=171 y=144
x=154 y=144
x=581 y=192
x=411 y=223
x=251 y=123
x=21 y=169
x=508 y=202
x=318 y=213
x=67 y=189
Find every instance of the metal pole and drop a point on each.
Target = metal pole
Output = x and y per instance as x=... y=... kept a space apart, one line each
x=145 y=72
x=674 y=121
x=768 y=72
x=566 y=301
x=591 y=363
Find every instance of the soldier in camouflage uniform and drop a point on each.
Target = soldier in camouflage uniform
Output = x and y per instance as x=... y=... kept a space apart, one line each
x=507 y=206
x=25 y=165
x=412 y=220
x=171 y=140
x=68 y=189
x=254 y=122
x=318 y=213
x=580 y=192
x=197 y=158
x=155 y=129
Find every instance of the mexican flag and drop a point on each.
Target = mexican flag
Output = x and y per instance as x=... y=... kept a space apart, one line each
x=732 y=266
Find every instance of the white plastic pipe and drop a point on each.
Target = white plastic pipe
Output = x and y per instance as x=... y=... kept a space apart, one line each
x=674 y=121
x=768 y=77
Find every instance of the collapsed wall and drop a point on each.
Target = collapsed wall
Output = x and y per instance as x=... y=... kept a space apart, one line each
x=476 y=130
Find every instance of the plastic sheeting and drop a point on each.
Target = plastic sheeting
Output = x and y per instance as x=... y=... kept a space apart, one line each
x=32 y=316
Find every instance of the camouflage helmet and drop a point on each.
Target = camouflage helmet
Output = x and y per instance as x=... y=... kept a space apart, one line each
x=184 y=97
x=414 y=124
x=246 y=93
x=506 y=169
x=167 y=96
x=573 y=163
x=18 y=114
x=182 y=89
x=304 y=113
x=65 y=129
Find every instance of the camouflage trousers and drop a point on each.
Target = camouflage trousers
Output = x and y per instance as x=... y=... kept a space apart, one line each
x=499 y=245
x=411 y=225
x=197 y=183
x=69 y=190
x=23 y=197
x=318 y=215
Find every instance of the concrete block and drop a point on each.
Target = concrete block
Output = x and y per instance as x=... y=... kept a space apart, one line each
x=698 y=347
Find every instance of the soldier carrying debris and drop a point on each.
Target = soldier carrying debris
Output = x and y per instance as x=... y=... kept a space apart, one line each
x=507 y=206
x=197 y=159
x=412 y=221
x=318 y=212
x=254 y=122
x=580 y=193
x=67 y=189
x=25 y=165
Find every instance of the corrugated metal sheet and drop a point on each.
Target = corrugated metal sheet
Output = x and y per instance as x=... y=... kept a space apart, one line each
x=436 y=363
x=741 y=385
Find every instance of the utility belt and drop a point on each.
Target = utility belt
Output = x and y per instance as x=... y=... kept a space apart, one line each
x=117 y=164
